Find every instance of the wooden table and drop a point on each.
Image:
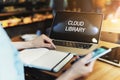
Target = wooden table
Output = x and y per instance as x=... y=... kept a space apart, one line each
x=102 y=70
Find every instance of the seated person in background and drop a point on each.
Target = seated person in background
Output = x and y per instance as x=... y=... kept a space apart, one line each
x=11 y=68
x=58 y=5
x=80 y=5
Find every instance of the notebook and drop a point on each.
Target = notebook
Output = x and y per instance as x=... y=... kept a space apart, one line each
x=45 y=59
x=76 y=32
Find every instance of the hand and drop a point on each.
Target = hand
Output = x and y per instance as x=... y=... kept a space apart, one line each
x=81 y=68
x=78 y=69
x=43 y=41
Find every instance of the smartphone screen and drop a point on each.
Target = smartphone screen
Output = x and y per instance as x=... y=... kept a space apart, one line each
x=99 y=52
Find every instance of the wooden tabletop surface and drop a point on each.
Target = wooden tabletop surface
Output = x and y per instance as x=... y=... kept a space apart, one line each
x=102 y=70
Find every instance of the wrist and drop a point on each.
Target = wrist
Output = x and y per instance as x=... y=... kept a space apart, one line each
x=30 y=44
x=23 y=45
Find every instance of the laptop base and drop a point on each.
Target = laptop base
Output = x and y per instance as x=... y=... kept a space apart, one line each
x=76 y=51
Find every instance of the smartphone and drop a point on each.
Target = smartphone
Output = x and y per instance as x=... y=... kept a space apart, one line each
x=98 y=53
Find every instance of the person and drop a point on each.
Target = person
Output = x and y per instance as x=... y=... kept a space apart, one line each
x=79 y=67
x=58 y=5
x=85 y=5
x=80 y=5
x=12 y=68
x=99 y=5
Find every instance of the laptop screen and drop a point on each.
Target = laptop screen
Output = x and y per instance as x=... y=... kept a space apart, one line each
x=75 y=26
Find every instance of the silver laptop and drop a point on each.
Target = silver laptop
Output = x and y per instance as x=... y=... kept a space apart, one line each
x=76 y=32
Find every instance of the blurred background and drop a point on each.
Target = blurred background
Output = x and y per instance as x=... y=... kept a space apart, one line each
x=19 y=17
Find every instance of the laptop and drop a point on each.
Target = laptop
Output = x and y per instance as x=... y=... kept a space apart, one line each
x=76 y=32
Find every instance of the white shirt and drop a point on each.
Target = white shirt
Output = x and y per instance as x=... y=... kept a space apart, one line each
x=11 y=68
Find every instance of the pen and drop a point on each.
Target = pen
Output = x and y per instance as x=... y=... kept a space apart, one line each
x=38 y=32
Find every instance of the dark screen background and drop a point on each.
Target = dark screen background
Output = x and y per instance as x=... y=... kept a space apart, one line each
x=92 y=23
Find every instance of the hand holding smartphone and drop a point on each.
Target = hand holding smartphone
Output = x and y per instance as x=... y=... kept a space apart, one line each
x=98 y=53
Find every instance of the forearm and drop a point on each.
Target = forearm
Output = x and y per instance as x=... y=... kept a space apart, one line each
x=22 y=45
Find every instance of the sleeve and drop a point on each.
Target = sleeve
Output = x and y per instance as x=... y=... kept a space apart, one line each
x=11 y=68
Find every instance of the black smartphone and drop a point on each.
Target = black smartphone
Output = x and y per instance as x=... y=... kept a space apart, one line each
x=98 y=53
x=113 y=57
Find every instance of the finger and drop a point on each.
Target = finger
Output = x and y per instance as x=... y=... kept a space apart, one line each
x=53 y=45
x=47 y=38
x=90 y=66
x=87 y=57
x=47 y=45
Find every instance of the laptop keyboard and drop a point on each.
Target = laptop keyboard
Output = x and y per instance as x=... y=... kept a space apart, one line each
x=72 y=44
